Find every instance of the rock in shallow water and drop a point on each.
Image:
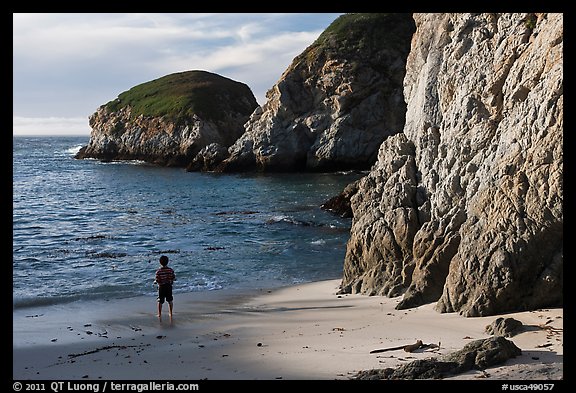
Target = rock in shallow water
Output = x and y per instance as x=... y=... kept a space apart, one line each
x=168 y=121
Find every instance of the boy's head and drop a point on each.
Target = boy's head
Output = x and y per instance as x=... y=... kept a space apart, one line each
x=163 y=260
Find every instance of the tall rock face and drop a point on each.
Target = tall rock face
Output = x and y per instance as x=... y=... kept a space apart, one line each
x=168 y=121
x=464 y=208
x=335 y=104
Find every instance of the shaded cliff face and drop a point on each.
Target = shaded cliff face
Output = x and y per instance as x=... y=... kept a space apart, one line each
x=169 y=120
x=335 y=104
x=465 y=206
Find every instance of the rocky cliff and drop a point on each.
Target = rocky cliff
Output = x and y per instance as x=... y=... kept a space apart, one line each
x=335 y=104
x=464 y=208
x=168 y=121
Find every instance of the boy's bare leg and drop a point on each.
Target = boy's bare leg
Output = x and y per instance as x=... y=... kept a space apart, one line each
x=170 y=305
x=160 y=312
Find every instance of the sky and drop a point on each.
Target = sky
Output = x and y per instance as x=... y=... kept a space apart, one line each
x=66 y=65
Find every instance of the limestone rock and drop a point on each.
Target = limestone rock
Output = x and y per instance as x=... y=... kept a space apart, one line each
x=465 y=206
x=335 y=104
x=507 y=327
x=168 y=121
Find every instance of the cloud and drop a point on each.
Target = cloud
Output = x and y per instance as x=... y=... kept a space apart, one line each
x=250 y=62
x=67 y=65
x=50 y=125
x=87 y=36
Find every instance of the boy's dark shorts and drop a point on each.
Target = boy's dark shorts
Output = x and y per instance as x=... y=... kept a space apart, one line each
x=165 y=293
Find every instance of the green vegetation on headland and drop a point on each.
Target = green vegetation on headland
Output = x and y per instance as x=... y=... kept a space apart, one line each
x=181 y=95
x=361 y=33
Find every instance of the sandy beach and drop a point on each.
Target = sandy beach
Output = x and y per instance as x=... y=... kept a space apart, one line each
x=294 y=333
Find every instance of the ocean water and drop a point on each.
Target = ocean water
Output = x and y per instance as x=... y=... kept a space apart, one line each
x=87 y=230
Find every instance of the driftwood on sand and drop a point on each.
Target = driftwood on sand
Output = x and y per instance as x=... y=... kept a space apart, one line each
x=407 y=348
x=478 y=354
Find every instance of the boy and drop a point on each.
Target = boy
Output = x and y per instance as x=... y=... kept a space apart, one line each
x=164 y=278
